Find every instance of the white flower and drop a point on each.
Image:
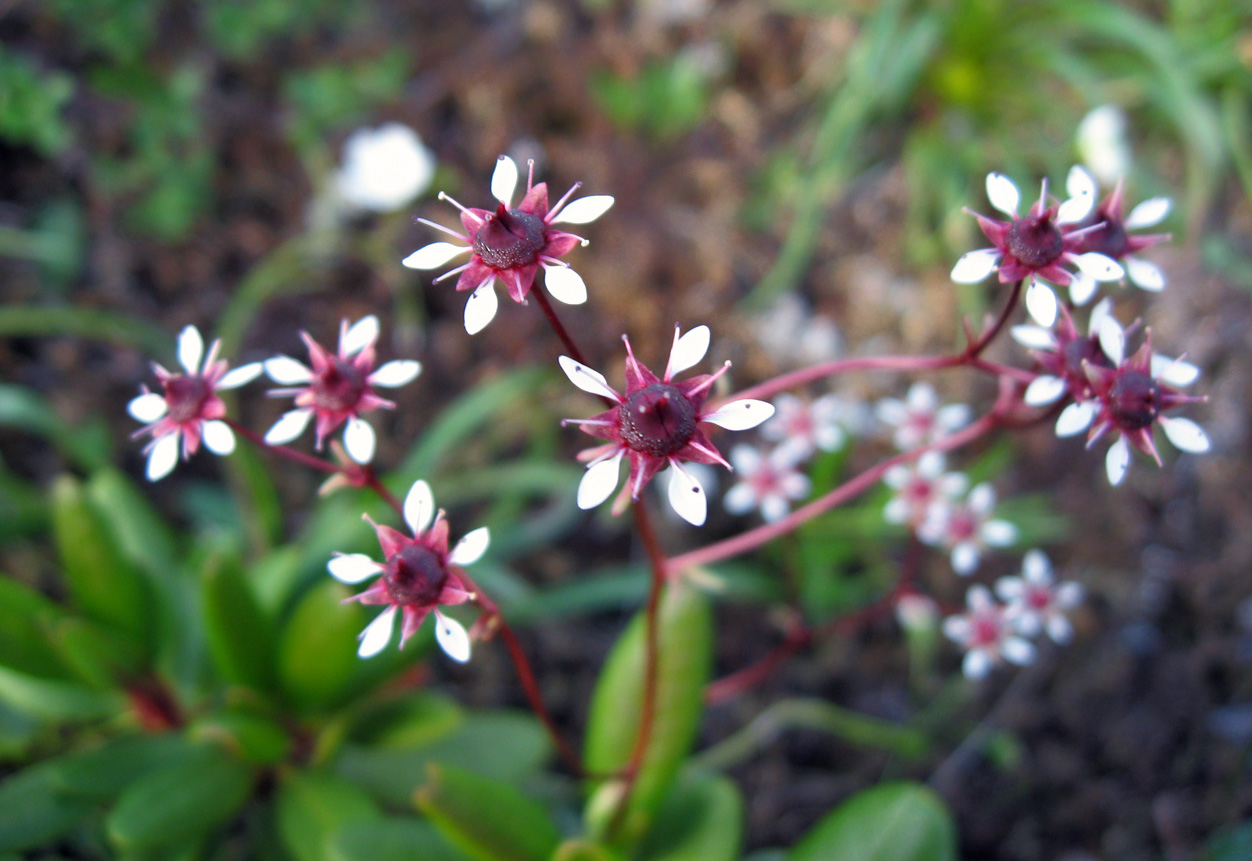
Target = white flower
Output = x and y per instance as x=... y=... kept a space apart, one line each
x=1036 y=602
x=1102 y=143
x=807 y=426
x=384 y=169
x=986 y=635
x=770 y=483
x=921 y=486
x=919 y=419
x=967 y=528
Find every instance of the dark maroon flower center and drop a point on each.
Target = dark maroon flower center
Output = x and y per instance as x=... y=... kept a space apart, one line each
x=1134 y=400
x=510 y=238
x=1034 y=240
x=1080 y=351
x=415 y=576
x=1109 y=239
x=185 y=397
x=339 y=386
x=657 y=420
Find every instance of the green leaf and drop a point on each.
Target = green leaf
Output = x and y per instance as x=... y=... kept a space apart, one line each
x=702 y=818
x=240 y=637
x=105 y=771
x=684 y=662
x=584 y=850
x=486 y=819
x=255 y=738
x=394 y=838
x=412 y=720
x=180 y=803
x=891 y=822
x=142 y=534
x=317 y=647
x=56 y=700
x=102 y=582
x=24 y=409
x=313 y=806
x=35 y=812
x=1230 y=844
x=100 y=657
x=94 y=324
x=26 y=617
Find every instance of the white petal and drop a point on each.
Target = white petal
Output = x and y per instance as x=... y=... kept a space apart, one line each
x=1059 y=629
x=398 y=372
x=584 y=210
x=976 y=665
x=1116 y=461
x=687 y=350
x=452 y=637
x=163 y=457
x=190 y=349
x=419 y=507
x=1075 y=419
x=1082 y=191
x=240 y=376
x=286 y=371
x=147 y=407
x=361 y=334
x=504 y=180
x=587 y=379
x=565 y=285
x=1034 y=337
x=359 y=440
x=1044 y=390
x=599 y=482
x=1176 y=372
x=740 y=499
x=975 y=266
x=1041 y=303
x=290 y=426
x=1081 y=288
x=740 y=415
x=377 y=633
x=1036 y=567
x=434 y=255
x=982 y=499
x=897 y=510
x=1101 y=267
x=1185 y=434
x=1017 y=650
x=471 y=547
x=687 y=496
x=1010 y=588
x=1147 y=214
x=1112 y=339
x=1102 y=310
x=965 y=558
x=1068 y=595
x=352 y=568
x=1147 y=276
x=745 y=459
x=480 y=308
x=1003 y=193
x=957 y=628
x=998 y=533
x=218 y=437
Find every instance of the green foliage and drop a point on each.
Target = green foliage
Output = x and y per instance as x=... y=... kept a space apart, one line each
x=31 y=102
x=487 y=819
x=666 y=99
x=891 y=822
x=1230 y=844
x=329 y=97
x=702 y=818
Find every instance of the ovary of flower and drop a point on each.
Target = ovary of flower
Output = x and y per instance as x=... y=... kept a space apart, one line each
x=919 y=419
x=512 y=244
x=986 y=635
x=384 y=169
x=338 y=388
x=803 y=427
x=656 y=424
x=418 y=575
x=919 y=487
x=770 y=483
x=1036 y=602
x=1064 y=355
x=188 y=409
x=1108 y=232
x=1038 y=246
x=967 y=528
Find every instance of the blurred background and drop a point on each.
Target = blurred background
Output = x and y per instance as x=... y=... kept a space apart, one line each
x=791 y=172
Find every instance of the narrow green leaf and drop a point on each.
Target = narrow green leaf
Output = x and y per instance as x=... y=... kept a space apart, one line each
x=317 y=646
x=26 y=617
x=93 y=323
x=254 y=738
x=105 y=771
x=486 y=819
x=34 y=812
x=585 y=850
x=142 y=534
x=412 y=720
x=100 y=657
x=24 y=409
x=312 y=807
x=891 y=822
x=56 y=700
x=240 y=637
x=685 y=659
x=702 y=818
x=394 y=838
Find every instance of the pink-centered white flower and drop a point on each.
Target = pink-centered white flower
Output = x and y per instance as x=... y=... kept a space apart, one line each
x=919 y=419
x=1064 y=354
x=1129 y=398
x=1112 y=237
x=188 y=411
x=986 y=634
x=1036 y=603
x=804 y=427
x=1039 y=245
x=967 y=528
x=656 y=424
x=512 y=244
x=337 y=388
x=920 y=486
x=769 y=482
x=417 y=576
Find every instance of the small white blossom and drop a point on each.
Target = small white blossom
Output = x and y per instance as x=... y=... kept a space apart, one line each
x=919 y=487
x=770 y=483
x=967 y=528
x=986 y=634
x=1036 y=602
x=919 y=419
x=384 y=169
x=804 y=427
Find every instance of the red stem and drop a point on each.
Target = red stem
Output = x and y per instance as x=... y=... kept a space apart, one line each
x=542 y=300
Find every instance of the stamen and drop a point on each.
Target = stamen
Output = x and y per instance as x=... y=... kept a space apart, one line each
x=452 y=272
x=447 y=230
x=451 y=200
x=707 y=384
x=552 y=213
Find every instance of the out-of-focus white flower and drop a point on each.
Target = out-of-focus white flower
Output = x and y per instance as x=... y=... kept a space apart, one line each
x=986 y=634
x=967 y=528
x=1036 y=602
x=384 y=169
x=770 y=483
x=919 y=419
x=805 y=426
x=919 y=487
x=793 y=335
x=1102 y=144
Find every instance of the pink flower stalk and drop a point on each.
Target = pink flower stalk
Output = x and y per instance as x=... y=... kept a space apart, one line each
x=338 y=388
x=188 y=409
x=655 y=424
x=419 y=575
x=919 y=419
x=967 y=528
x=987 y=635
x=1038 y=246
x=770 y=482
x=512 y=244
x=804 y=427
x=1129 y=398
x=1063 y=354
x=1036 y=602
x=1112 y=238
x=919 y=487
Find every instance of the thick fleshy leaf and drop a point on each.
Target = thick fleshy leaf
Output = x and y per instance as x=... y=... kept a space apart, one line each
x=471 y=547
x=1185 y=434
x=565 y=285
x=584 y=210
x=218 y=437
x=312 y=806
x=504 y=180
x=377 y=633
x=240 y=376
x=890 y=822
x=1075 y=418
x=36 y=813
x=240 y=637
x=360 y=335
x=487 y=819
x=740 y=415
x=147 y=407
x=1149 y=213
x=1082 y=191
x=359 y=440
x=688 y=350
x=317 y=646
x=419 y=507
x=975 y=266
x=434 y=255
x=190 y=349
x=399 y=372
x=452 y=637
x=1002 y=193
x=480 y=307
x=599 y=482
x=1041 y=303
x=1145 y=275
x=290 y=426
x=286 y=371
x=352 y=568
x=163 y=456
x=1101 y=267
x=1044 y=390
x=587 y=379
x=1117 y=461
x=702 y=819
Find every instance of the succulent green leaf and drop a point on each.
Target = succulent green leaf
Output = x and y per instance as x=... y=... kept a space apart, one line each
x=486 y=819
x=142 y=534
x=102 y=773
x=313 y=806
x=410 y=721
x=890 y=822
x=100 y=657
x=26 y=617
x=240 y=637
x=317 y=647
x=394 y=838
x=702 y=818
x=56 y=700
x=255 y=738
x=584 y=850
x=34 y=811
